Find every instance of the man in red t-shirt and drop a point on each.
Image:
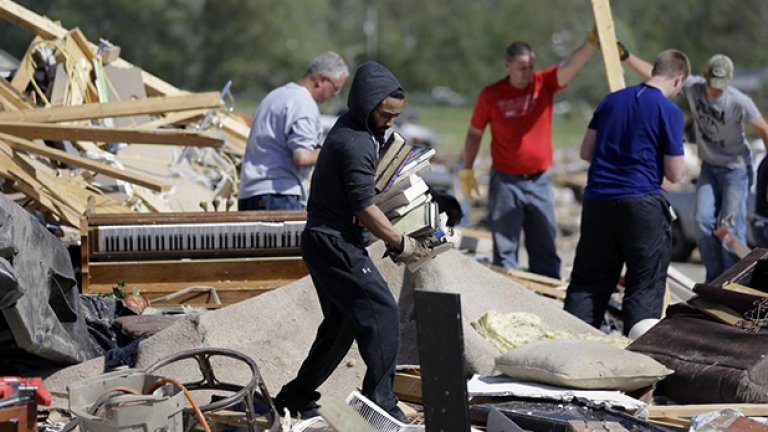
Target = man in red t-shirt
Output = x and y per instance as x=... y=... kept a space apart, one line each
x=519 y=110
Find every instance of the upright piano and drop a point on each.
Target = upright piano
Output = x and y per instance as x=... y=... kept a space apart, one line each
x=210 y=259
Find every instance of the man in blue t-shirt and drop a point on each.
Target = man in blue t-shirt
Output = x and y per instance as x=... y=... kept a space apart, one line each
x=719 y=112
x=634 y=142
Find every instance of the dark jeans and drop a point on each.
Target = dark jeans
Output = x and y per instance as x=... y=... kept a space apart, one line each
x=357 y=306
x=636 y=232
x=270 y=202
x=523 y=204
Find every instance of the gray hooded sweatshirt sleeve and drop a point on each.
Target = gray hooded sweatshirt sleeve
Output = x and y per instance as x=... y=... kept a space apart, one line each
x=343 y=180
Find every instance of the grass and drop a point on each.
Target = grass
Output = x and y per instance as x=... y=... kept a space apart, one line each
x=451 y=123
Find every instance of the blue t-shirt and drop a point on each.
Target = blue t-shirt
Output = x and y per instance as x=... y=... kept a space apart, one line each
x=636 y=127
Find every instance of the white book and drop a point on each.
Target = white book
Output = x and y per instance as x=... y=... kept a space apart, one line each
x=404 y=184
x=417 y=220
x=403 y=197
x=402 y=210
x=423 y=155
x=423 y=166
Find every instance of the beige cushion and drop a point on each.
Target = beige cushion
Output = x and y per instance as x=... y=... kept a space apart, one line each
x=581 y=364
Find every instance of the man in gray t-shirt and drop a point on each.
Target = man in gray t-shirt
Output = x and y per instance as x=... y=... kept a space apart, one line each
x=719 y=113
x=286 y=136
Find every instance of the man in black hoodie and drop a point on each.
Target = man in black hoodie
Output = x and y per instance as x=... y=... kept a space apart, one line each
x=356 y=302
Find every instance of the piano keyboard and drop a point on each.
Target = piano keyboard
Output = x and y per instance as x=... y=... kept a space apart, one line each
x=199 y=236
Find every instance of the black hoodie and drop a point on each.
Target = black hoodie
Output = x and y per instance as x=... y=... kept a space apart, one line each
x=343 y=180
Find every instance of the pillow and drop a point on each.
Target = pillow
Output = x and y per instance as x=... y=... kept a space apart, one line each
x=581 y=364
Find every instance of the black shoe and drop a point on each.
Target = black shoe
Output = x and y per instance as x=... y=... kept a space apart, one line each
x=310 y=410
x=307 y=410
x=398 y=414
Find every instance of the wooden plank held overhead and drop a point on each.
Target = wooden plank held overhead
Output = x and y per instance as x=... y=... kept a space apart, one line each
x=607 y=34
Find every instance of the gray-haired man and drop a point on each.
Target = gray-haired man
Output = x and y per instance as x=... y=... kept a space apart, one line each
x=286 y=136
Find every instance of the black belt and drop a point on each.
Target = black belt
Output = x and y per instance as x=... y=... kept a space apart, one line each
x=530 y=176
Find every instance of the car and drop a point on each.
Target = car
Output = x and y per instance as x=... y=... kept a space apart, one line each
x=684 y=227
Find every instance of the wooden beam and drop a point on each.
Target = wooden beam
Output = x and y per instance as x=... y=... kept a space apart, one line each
x=607 y=35
x=114 y=109
x=87 y=133
x=407 y=387
x=173 y=118
x=86 y=48
x=30 y=21
x=28 y=146
x=667 y=411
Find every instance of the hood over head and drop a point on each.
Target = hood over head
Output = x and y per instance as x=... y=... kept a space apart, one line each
x=371 y=85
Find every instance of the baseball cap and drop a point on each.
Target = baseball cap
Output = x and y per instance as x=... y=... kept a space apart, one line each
x=719 y=71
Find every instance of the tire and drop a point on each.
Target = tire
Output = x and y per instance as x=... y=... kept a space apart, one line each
x=681 y=247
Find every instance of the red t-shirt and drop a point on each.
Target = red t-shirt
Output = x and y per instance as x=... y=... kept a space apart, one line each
x=521 y=122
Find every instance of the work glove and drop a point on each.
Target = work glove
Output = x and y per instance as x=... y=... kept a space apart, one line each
x=623 y=51
x=469 y=183
x=594 y=39
x=410 y=251
x=592 y=36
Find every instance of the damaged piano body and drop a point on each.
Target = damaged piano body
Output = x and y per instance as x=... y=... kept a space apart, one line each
x=226 y=256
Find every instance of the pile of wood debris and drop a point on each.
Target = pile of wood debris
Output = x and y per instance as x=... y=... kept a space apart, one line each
x=84 y=130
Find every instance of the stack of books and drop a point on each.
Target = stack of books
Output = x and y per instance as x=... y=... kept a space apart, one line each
x=404 y=197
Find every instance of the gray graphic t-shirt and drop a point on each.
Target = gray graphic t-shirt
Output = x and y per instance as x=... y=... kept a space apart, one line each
x=287 y=120
x=719 y=124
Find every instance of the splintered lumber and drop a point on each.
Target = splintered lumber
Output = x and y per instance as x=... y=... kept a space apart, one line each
x=28 y=146
x=29 y=186
x=23 y=74
x=101 y=134
x=607 y=35
x=45 y=28
x=11 y=98
x=114 y=109
x=80 y=64
x=58 y=195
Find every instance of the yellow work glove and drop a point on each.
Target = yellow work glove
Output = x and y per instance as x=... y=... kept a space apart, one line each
x=594 y=39
x=592 y=36
x=623 y=52
x=469 y=183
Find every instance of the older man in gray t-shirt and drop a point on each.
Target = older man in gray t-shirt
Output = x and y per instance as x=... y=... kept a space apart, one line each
x=286 y=136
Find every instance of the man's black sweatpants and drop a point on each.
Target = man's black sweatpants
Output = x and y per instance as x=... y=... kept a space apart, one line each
x=357 y=306
x=635 y=231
